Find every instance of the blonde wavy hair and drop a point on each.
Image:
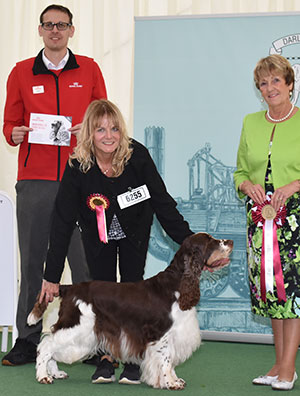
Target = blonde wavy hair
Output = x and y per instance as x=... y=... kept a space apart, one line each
x=84 y=152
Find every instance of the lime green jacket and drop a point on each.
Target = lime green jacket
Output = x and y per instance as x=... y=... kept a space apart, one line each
x=252 y=157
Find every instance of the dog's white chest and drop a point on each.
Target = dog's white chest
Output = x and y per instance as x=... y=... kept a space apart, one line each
x=185 y=331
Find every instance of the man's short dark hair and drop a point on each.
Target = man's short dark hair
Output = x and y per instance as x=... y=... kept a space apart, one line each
x=57 y=7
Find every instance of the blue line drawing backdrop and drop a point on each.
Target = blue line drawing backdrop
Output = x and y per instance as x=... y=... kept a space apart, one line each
x=193 y=86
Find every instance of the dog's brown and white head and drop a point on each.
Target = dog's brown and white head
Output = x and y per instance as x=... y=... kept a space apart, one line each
x=218 y=251
x=200 y=251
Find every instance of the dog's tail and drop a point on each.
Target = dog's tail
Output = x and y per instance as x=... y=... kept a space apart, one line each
x=37 y=312
x=39 y=308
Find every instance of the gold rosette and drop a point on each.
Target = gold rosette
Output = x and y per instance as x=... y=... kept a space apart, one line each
x=97 y=200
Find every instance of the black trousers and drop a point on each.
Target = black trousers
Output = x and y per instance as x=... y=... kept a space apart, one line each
x=131 y=262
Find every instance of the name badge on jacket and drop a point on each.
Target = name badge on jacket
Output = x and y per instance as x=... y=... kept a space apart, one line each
x=133 y=197
x=38 y=89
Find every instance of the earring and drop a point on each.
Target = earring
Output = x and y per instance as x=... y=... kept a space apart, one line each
x=262 y=100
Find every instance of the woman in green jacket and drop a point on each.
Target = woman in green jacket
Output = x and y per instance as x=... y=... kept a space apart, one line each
x=267 y=175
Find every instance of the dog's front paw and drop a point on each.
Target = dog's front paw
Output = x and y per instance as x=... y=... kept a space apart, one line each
x=60 y=375
x=45 y=380
x=179 y=384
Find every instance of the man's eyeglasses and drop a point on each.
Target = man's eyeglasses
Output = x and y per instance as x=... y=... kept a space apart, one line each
x=59 y=25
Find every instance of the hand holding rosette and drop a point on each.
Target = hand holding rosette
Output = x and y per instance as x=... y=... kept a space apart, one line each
x=266 y=217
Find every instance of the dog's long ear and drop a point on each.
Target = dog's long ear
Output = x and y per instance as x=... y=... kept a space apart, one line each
x=189 y=285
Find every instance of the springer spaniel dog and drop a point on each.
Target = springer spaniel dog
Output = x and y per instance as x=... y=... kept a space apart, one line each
x=152 y=322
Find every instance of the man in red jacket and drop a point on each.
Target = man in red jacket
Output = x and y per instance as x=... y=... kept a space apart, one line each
x=56 y=82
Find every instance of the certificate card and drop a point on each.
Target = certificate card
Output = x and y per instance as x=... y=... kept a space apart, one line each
x=50 y=129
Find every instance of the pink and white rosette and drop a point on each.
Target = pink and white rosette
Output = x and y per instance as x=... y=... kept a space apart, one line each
x=265 y=217
x=99 y=203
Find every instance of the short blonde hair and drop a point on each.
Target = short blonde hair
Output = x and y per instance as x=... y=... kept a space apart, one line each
x=84 y=151
x=274 y=64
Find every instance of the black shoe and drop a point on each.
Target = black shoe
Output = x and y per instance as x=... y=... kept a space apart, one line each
x=104 y=373
x=130 y=374
x=23 y=352
x=96 y=359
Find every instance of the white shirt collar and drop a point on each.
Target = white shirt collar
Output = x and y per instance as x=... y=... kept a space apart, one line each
x=51 y=66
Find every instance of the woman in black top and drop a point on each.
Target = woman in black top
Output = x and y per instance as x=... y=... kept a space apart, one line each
x=106 y=164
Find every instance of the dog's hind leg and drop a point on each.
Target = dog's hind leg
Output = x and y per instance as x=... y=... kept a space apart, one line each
x=54 y=371
x=66 y=345
x=44 y=356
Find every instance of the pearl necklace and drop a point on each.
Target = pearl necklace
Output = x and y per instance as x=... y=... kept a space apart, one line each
x=283 y=118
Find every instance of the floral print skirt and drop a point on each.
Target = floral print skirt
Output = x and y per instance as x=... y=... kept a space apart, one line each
x=289 y=246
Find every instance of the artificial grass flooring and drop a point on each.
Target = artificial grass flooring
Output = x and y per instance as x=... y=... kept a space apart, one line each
x=215 y=369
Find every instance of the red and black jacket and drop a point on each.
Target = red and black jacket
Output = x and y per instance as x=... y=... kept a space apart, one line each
x=32 y=88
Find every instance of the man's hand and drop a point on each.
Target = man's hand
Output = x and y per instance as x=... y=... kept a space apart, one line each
x=18 y=134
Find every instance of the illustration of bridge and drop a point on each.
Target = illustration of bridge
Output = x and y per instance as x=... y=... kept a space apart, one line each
x=212 y=207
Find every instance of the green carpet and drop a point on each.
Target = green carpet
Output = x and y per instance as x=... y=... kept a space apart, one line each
x=216 y=369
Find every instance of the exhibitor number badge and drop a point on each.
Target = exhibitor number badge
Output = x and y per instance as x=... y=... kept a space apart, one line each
x=133 y=197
